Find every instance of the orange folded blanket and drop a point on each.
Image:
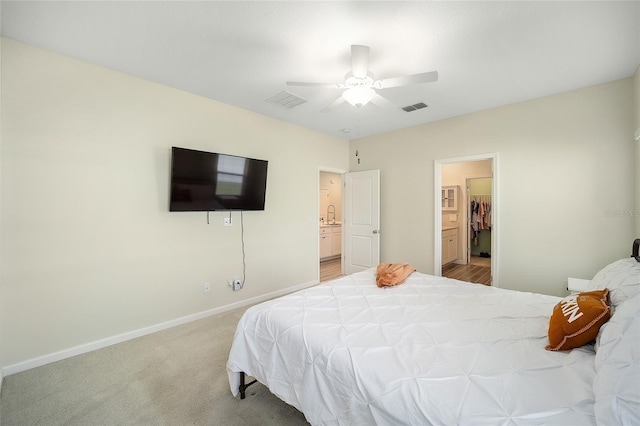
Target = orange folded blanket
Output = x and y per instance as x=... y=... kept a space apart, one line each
x=388 y=274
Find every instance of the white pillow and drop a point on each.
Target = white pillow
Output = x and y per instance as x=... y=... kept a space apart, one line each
x=622 y=278
x=617 y=383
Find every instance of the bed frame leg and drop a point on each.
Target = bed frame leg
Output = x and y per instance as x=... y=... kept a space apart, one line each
x=243 y=387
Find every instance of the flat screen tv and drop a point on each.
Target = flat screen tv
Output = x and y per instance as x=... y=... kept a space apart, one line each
x=208 y=181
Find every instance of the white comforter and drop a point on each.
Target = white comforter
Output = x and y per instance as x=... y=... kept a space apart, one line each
x=430 y=351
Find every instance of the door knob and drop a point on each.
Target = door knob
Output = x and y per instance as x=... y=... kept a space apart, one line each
x=376 y=231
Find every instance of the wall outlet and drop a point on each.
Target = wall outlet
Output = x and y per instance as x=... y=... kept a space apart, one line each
x=206 y=288
x=228 y=221
x=237 y=284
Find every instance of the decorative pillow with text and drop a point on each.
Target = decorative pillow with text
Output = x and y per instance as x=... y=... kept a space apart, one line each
x=577 y=318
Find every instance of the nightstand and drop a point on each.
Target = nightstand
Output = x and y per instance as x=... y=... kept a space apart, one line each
x=578 y=285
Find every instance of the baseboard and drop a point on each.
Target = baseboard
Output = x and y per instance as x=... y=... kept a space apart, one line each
x=1 y=380
x=102 y=343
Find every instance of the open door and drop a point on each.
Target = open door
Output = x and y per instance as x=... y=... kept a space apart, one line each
x=362 y=221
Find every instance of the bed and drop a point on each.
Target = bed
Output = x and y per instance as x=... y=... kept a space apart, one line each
x=439 y=351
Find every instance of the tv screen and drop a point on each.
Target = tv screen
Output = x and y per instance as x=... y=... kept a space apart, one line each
x=208 y=181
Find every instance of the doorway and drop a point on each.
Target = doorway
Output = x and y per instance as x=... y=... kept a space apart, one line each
x=466 y=219
x=354 y=228
x=330 y=229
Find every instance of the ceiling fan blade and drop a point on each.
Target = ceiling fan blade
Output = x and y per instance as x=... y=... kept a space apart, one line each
x=407 y=80
x=381 y=101
x=304 y=84
x=359 y=60
x=333 y=104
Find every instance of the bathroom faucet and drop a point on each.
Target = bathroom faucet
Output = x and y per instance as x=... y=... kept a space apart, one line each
x=331 y=211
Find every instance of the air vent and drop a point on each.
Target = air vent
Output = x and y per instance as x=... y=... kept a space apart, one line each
x=415 y=107
x=286 y=100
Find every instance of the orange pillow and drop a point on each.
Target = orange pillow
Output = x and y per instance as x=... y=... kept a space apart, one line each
x=576 y=319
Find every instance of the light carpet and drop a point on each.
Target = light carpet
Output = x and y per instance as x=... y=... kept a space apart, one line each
x=172 y=377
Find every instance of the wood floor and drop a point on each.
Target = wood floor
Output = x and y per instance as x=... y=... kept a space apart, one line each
x=478 y=271
x=330 y=269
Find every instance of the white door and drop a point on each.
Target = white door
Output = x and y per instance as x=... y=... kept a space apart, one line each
x=362 y=221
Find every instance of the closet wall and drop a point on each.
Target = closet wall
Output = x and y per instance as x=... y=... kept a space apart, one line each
x=481 y=203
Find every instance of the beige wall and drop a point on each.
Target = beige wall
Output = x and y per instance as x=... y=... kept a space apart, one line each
x=2 y=346
x=636 y=97
x=565 y=163
x=457 y=173
x=89 y=248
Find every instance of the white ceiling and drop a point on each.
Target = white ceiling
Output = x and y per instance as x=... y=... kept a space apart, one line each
x=487 y=54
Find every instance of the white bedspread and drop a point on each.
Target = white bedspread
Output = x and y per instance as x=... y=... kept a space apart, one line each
x=430 y=351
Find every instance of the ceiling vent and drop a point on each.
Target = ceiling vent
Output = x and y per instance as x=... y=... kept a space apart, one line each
x=415 y=107
x=285 y=99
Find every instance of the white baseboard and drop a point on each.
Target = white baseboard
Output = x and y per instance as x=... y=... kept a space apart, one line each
x=102 y=343
x=1 y=380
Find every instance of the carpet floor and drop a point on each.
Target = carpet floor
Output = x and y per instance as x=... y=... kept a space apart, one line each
x=172 y=377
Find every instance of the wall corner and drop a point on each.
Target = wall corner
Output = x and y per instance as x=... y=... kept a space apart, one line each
x=636 y=135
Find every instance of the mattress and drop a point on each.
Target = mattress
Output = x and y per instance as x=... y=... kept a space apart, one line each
x=430 y=351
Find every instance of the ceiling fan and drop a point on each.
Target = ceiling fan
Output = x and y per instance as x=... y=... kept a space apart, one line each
x=360 y=85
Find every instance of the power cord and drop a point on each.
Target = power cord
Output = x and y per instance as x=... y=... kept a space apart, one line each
x=244 y=263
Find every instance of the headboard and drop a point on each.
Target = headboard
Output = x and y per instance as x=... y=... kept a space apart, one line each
x=636 y=246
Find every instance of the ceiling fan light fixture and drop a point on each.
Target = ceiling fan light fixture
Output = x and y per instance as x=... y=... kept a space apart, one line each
x=359 y=96
x=360 y=87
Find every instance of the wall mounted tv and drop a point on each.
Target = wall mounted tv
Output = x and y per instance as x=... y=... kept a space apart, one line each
x=208 y=181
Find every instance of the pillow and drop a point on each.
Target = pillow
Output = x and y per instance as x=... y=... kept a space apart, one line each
x=576 y=319
x=617 y=362
x=622 y=278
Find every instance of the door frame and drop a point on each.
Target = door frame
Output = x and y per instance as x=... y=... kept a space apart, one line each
x=437 y=212
x=341 y=172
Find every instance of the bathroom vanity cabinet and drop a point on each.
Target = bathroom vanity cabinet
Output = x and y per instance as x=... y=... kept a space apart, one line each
x=330 y=241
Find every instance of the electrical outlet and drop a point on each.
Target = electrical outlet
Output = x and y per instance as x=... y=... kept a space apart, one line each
x=228 y=221
x=237 y=284
x=206 y=288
